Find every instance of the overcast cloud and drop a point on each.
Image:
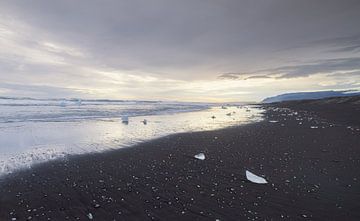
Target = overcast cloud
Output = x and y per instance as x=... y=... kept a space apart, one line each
x=179 y=50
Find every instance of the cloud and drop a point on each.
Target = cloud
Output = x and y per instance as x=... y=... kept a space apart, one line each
x=257 y=77
x=338 y=44
x=231 y=76
x=331 y=67
x=168 y=49
x=319 y=67
x=41 y=91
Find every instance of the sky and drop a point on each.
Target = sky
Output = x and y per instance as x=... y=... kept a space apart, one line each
x=185 y=50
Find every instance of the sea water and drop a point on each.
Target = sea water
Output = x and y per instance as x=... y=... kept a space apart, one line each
x=34 y=131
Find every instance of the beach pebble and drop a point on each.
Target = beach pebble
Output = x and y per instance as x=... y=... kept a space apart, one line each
x=200 y=156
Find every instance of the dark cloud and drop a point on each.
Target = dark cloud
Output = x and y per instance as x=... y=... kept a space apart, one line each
x=322 y=66
x=339 y=44
x=302 y=70
x=231 y=76
x=242 y=76
x=258 y=77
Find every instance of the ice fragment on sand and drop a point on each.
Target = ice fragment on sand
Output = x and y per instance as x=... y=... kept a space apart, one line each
x=273 y=121
x=254 y=178
x=200 y=156
x=90 y=216
x=314 y=127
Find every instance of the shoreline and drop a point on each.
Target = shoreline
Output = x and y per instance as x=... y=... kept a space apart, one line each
x=314 y=178
x=34 y=143
x=75 y=157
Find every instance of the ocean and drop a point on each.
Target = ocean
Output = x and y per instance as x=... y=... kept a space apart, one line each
x=33 y=131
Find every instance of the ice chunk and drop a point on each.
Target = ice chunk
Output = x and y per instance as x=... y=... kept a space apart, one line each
x=90 y=216
x=200 y=156
x=254 y=178
x=314 y=127
x=273 y=121
x=63 y=103
x=125 y=119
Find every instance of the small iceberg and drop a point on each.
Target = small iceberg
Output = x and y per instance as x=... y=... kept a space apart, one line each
x=125 y=119
x=63 y=103
x=314 y=127
x=200 y=156
x=254 y=178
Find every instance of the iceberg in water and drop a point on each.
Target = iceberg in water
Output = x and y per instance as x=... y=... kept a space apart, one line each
x=63 y=103
x=200 y=156
x=254 y=178
x=125 y=119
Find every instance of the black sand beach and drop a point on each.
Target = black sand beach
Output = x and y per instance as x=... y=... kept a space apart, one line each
x=311 y=159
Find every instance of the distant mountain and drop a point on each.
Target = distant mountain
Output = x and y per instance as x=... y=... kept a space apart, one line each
x=309 y=95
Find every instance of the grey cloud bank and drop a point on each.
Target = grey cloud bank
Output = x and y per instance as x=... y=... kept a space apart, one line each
x=176 y=49
x=329 y=66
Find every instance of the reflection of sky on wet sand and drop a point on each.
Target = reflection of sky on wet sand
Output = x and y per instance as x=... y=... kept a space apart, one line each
x=23 y=144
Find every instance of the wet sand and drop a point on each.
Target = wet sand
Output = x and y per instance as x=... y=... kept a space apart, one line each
x=311 y=161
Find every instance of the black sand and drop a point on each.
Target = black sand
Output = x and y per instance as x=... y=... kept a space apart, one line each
x=313 y=174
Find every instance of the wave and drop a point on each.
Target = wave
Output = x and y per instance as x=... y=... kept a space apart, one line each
x=58 y=110
x=32 y=135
